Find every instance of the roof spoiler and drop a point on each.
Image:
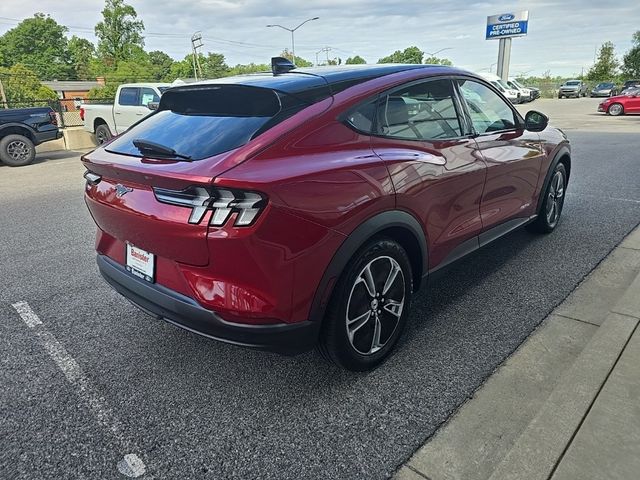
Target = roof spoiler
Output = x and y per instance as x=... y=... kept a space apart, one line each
x=281 y=65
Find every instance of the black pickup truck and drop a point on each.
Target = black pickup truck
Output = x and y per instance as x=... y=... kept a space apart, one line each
x=21 y=129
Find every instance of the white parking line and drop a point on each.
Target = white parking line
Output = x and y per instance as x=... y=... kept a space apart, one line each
x=131 y=465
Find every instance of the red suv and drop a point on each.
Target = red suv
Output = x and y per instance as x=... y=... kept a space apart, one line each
x=305 y=206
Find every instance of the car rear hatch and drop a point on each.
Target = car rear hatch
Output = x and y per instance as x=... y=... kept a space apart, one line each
x=150 y=186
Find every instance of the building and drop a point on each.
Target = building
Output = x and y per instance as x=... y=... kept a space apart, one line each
x=72 y=92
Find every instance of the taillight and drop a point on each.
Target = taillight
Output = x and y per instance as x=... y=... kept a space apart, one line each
x=82 y=113
x=221 y=201
x=54 y=119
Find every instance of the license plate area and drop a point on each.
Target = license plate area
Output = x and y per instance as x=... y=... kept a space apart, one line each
x=140 y=263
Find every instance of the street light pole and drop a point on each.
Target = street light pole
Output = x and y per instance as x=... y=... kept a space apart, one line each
x=433 y=54
x=292 y=30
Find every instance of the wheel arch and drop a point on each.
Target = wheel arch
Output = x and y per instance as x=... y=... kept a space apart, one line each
x=563 y=155
x=398 y=225
x=17 y=129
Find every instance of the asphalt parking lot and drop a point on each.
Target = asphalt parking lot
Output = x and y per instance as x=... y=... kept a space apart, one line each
x=98 y=379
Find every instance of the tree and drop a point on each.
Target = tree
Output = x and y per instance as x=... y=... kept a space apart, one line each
x=606 y=66
x=81 y=52
x=249 y=68
x=38 y=43
x=214 y=66
x=119 y=33
x=409 y=55
x=160 y=65
x=437 y=61
x=298 y=61
x=631 y=60
x=356 y=60
x=22 y=85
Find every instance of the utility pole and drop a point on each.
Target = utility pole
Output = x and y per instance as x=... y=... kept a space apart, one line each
x=196 y=43
x=327 y=50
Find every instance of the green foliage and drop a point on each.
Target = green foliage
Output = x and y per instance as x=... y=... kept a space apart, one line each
x=81 y=52
x=22 y=85
x=298 y=61
x=160 y=64
x=631 y=60
x=437 y=61
x=108 y=92
x=606 y=66
x=408 y=55
x=356 y=60
x=39 y=43
x=119 y=33
x=249 y=68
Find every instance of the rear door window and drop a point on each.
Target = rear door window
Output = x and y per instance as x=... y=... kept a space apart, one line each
x=128 y=96
x=199 y=122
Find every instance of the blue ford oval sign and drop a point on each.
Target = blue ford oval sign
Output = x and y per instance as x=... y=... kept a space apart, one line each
x=506 y=17
x=504 y=25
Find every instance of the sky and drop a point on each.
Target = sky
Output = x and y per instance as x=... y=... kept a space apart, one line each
x=563 y=35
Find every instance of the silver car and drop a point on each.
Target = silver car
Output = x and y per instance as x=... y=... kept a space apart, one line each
x=573 y=88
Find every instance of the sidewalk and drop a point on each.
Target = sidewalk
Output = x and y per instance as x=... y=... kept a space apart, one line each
x=566 y=404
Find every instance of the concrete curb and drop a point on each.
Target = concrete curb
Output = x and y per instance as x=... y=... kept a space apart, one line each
x=520 y=423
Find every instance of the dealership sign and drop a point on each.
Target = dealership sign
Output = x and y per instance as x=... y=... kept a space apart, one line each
x=507 y=25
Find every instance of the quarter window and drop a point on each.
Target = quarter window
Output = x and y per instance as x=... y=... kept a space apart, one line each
x=489 y=112
x=423 y=111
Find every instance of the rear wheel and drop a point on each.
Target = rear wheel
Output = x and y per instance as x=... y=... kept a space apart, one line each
x=369 y=307
x=17 y=150
x=103 y=134
x=549 y=214
x=615 y=109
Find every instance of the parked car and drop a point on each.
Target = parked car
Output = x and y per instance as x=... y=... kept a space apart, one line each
x=21 y=129
x=604 y=89
x=280 y=211
x=628 y=103
x=533 y=91
x=513 y=95
x=133 y=102
x=525 y=93
x=573 y=88
x=630 y=84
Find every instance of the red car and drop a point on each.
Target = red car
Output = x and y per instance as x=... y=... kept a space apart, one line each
x=280 y=211
x=627 y=103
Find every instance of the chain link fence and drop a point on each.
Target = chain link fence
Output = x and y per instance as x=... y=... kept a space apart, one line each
x=67 y=109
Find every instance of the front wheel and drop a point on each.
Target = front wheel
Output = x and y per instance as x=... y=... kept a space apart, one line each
x=369 y=307
x=549 y=214
x=615 y=109
x=17 y=150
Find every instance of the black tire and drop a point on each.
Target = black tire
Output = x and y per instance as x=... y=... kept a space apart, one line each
x=17 y=150
x=615 y=109
x=551 y=209
x=352 y=299
x=559 y=96
x=103 y=134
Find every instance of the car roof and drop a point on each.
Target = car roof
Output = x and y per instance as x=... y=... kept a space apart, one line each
x=308 y=78
x=146 y=84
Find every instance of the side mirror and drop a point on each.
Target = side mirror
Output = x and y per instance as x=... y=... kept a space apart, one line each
x=535 y=121
x=153 y=105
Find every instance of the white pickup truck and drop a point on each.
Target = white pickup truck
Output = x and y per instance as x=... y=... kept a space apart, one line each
x=133 y=102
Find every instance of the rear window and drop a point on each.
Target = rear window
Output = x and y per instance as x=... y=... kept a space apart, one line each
x=199 y=122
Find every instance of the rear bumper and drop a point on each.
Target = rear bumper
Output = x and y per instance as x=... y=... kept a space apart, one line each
x=186 y=313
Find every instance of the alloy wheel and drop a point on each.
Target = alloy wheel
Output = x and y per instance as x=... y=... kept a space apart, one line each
x=615 y=109
x=555 y=199
x=18 y=150
x=375 y=305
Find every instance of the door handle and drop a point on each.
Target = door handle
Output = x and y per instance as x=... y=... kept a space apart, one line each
x=413 y=156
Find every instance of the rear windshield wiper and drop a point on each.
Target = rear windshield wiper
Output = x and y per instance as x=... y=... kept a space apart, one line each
x=145 y=146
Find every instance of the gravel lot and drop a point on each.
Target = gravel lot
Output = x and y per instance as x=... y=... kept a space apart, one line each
x=193 y=408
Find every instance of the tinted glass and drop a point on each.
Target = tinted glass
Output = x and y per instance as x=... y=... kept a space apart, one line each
x=128 y=96
x=489 y=112
x=424 y=111
x=148 y=95
x=362 y=117
x=205 y=121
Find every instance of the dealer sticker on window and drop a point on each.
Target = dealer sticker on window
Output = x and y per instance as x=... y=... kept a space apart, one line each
x=141 y=263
